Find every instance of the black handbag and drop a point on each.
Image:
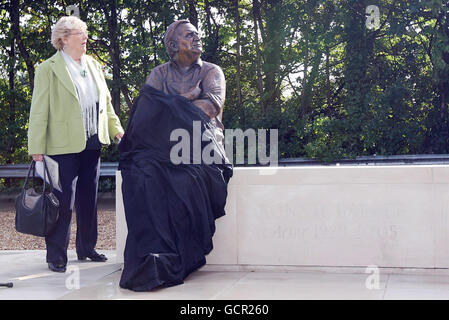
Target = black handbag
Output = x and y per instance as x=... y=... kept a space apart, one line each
x=36 y=213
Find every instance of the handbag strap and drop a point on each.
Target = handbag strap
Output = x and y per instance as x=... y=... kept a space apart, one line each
x=32 y=167
x=47 y=172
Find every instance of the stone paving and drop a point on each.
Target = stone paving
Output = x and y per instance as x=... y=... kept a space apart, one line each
x=32 y=279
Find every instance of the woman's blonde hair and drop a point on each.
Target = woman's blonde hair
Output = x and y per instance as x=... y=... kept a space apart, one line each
x=63 y=28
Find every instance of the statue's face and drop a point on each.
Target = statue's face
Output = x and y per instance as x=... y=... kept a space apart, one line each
x=188 y=40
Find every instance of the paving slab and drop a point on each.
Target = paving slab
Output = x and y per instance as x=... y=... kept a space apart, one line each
x=100 y=281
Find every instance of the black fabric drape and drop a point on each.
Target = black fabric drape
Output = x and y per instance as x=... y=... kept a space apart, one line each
x=170 y=209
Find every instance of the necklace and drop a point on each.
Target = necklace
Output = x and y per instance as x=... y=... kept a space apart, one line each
x=81 y=67
x=78 y=65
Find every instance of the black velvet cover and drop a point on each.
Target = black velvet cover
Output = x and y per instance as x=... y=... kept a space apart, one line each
x=170 y=209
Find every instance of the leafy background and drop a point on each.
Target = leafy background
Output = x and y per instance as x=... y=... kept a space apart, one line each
x=333 y=87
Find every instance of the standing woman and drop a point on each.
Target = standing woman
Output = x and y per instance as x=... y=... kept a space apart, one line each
x=71 y=117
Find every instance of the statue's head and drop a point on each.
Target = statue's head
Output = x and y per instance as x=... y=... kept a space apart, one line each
x=183 y=38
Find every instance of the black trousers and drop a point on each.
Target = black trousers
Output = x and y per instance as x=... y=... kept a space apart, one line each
x=79 y=174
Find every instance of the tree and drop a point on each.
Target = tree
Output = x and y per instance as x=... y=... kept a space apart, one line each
x=332 y=86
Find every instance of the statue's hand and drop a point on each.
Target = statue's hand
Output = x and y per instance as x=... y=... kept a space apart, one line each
x=194 y=93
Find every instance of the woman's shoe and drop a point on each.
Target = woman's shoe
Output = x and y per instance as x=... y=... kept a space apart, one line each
x=57 y=267
x=96 y=257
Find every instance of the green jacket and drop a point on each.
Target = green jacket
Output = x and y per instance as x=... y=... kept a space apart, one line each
x=56 y=124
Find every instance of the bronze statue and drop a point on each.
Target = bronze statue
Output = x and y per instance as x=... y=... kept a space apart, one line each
x=201 y=82
x=171 y=207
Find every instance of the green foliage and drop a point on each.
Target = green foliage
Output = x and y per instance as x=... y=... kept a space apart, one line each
x=331 y=86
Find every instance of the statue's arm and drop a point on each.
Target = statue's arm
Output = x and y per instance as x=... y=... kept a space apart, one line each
x=194 y=93
x=213 y=93
x=207 y=106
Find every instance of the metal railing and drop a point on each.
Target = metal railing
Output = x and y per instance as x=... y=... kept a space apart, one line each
x=108 y=169
x=420 y=159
